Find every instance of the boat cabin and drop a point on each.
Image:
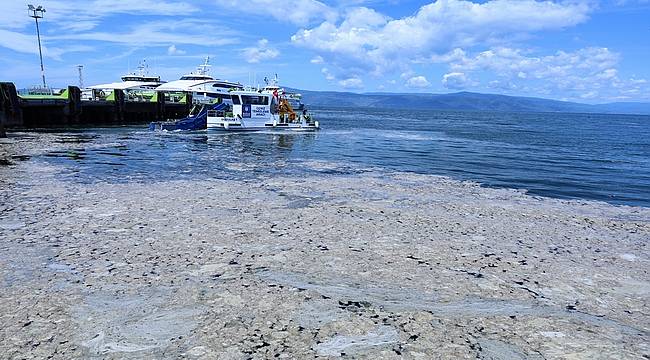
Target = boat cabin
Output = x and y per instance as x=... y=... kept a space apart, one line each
x=140 y=78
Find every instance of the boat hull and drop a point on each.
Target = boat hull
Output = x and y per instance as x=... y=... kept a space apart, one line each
x=292 y=127
x=239 y=125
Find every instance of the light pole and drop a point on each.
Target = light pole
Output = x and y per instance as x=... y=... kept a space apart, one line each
x=38 y=13
x=81 y=77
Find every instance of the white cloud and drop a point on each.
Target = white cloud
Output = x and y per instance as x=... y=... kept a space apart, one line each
x=69 y=12
x=260 y=53
x=406 y=74
x=630 y=2
x=456 y=81
x=351 y=83
x=73 y=19
x=298 y=12
x=515 y=63
x=317 y=60
x=502 y=85
x=585 y=73
x=76 y=15
x=589 y=95
x=14 y=15
x=368 y=41
x=29 y=44
x=418 y=82
x=327 y=74
x=156 y=33
x=173 y=50
x=18 y=42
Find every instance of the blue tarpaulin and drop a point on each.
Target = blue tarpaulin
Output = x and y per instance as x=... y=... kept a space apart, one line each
x=198 y=121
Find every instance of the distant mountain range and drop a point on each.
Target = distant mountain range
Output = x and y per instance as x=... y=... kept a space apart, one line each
x=464 y=101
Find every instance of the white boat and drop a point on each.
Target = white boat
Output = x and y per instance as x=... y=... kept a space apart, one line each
x=264 y=109
x=204 y=88
x=136 y=85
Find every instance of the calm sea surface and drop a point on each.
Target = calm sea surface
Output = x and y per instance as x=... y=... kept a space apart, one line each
x=587 y=156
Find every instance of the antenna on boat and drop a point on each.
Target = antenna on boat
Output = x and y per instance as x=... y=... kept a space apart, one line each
x=81 y=77
x=143 y=68
x=204 y=68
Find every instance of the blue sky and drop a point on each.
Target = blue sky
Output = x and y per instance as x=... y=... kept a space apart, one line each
x=580 y=50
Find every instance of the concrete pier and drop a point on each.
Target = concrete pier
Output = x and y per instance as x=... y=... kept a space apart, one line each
x=68 y=109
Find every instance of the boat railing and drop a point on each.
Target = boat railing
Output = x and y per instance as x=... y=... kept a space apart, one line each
x=219 y=113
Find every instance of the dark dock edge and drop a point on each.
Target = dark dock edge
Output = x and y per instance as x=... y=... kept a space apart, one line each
x=68 y=109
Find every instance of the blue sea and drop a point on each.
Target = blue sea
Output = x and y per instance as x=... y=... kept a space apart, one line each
x=585 y=156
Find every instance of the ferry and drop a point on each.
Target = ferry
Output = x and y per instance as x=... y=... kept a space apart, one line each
x=136 y=85
x=204 y=88
x=263 y=109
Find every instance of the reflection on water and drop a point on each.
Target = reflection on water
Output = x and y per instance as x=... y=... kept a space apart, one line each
x=603 y=157
x=69 y=154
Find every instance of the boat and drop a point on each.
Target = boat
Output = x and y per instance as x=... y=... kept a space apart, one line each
x=138 y=85
x=263 y=109
x=196 y=120
x=203 y=87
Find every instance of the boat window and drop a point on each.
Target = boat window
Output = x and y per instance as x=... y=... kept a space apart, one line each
x=235 y=99
x=225 y=86
x=255 y=100
x=193 y=78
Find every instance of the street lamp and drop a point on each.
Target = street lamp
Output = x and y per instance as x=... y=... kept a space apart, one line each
x=81 y=76
x=38 y=13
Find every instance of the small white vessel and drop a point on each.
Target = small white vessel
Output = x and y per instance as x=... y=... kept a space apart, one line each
x=264 y=109
x=204 y=88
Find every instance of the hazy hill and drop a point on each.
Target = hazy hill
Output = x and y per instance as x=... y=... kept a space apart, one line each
x=463 y=101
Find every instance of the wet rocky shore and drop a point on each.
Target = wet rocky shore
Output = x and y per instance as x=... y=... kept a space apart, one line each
x=371 y=265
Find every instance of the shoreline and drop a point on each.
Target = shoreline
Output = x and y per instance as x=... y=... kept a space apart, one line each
x=390 y=266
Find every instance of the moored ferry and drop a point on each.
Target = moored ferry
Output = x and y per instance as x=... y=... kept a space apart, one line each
x=203 y=87
x=137 y=85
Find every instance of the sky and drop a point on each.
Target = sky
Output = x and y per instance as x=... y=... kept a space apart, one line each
x=578 y=50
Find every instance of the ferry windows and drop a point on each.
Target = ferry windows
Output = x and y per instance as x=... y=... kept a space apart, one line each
x=194 y=78
x=255 y=100
x=235 y=99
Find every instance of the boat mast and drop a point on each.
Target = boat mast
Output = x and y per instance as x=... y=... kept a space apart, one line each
x=205 y=67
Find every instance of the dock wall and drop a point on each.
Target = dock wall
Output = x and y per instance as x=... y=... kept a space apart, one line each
x=10 y=110
x=68 y=109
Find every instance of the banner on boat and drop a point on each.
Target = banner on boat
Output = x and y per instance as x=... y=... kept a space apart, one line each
x=246 y=111
x=261 y=111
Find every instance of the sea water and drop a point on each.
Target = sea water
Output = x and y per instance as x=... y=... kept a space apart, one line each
x=586 y=156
